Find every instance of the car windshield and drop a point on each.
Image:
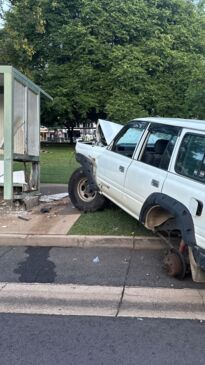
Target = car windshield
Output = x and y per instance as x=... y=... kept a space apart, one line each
x=127 y=140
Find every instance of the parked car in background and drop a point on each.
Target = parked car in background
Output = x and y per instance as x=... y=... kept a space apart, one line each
x=154 y=169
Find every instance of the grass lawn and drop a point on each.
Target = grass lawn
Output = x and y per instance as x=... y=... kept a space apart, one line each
x=110 y=221
x=57 y=163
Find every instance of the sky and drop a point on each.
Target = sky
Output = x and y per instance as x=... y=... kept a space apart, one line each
x=5 y=7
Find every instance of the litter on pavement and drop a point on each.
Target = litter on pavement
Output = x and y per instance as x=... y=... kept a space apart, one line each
x=96 y=260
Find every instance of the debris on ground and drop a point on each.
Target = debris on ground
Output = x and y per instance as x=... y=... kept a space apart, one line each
x=96 y=260
x=52 y=197
x=125 y=261
x=3 y=203
x=18 y=210
x=24 y=218
x=45 y=209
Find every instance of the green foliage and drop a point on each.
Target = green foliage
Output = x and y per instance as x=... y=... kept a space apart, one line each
x=195 y=94
x=111 y=58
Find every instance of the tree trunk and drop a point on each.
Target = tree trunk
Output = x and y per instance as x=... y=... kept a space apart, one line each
x=70 y=134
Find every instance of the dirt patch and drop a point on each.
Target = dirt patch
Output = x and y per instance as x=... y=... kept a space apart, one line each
x=55 y=217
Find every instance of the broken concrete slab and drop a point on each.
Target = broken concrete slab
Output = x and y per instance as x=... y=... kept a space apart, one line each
x=52 y=197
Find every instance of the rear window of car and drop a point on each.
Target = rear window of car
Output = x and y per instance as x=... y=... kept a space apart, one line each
x=191 y=157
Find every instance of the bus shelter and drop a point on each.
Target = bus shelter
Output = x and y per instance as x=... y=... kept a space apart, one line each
x=19 y=134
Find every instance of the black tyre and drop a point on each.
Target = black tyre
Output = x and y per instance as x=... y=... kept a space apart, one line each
x=80 y=197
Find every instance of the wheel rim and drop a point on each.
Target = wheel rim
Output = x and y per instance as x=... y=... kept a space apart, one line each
x=83 y=194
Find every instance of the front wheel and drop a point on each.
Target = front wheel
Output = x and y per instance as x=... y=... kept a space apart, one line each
x=80 y=196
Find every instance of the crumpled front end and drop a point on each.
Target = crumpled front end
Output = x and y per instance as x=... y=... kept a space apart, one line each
x=105 y=133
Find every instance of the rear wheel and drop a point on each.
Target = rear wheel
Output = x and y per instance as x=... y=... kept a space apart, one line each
x=82 y=198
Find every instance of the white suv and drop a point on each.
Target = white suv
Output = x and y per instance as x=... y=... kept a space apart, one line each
x=154 y=169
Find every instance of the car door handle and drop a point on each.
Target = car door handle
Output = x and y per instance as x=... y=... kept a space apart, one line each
x=121 y=168
x=196 y=207
x=155 y=183
x=200 y=208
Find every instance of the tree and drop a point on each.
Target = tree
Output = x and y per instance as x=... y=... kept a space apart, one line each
x=111 y=58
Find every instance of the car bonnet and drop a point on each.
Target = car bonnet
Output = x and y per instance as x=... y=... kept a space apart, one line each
x=109 y=130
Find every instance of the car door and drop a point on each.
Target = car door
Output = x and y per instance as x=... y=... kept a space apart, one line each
x=186 y=180
x=148 y=170
x=113 y=163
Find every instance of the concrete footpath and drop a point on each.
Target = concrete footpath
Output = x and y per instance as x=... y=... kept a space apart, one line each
x=48 y=225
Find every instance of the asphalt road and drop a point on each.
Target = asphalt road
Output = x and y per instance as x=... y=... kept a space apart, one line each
x=64 y=340
x=56 y=340
x=88 y=266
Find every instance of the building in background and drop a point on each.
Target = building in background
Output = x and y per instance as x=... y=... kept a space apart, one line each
x=61 y=135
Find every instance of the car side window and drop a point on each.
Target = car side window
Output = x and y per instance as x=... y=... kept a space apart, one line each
x=191 y=157
x=127 y=140
x=159 y=146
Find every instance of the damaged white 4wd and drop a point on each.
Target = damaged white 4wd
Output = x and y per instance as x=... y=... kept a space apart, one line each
x=154 y=169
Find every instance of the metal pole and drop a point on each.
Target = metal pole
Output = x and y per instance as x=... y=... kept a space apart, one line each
x=8 y=135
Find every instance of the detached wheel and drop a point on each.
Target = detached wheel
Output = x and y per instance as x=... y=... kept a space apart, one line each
x=80 y=196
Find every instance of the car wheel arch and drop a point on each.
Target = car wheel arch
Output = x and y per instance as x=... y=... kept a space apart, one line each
x=87 y=167
x=159 y=208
